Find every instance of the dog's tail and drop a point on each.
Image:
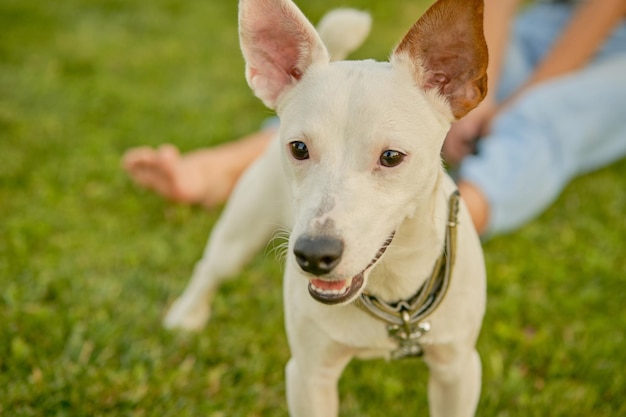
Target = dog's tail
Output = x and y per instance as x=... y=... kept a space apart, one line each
x=344 y=30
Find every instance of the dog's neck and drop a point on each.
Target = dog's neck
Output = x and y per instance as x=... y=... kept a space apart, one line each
x=416 y=246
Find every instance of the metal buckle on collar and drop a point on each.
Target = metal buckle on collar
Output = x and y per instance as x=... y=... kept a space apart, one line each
x=407 y=335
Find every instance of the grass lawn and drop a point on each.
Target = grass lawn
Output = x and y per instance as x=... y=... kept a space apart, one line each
x=89 y=263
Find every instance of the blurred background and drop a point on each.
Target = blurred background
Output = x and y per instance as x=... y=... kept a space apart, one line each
x=89 y=262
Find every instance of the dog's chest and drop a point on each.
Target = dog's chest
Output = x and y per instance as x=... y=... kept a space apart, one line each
x=351 y=327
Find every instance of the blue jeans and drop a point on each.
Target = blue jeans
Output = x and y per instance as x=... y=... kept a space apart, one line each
x=558 y=130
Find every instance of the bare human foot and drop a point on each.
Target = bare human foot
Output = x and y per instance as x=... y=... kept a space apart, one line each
x=206 y=176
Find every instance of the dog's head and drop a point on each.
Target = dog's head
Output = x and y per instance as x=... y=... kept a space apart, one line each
x=361 y=139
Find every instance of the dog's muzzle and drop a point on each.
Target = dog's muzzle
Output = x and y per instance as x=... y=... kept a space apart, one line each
x=333 y=291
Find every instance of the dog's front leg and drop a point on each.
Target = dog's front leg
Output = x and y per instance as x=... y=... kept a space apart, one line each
x=257 y=208
x=454 y=382
x=312 y=385
x=316 y=363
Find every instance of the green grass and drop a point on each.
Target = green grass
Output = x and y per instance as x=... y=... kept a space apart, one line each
x=88 y=262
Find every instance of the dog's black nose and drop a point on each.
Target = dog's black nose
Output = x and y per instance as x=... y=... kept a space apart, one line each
x=318 y=255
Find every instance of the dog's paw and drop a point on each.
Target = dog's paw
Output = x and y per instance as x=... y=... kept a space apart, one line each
x=187 y=314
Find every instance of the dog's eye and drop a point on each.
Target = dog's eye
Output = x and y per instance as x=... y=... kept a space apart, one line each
x=391 y=158
x=299 y=150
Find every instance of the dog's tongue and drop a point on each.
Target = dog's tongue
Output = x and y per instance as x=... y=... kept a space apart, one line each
x=329 y=285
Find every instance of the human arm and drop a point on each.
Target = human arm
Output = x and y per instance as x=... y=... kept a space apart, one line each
x=499 y=15
x=591 y=24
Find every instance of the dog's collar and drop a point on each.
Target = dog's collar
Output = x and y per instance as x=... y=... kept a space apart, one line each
x=405 y=319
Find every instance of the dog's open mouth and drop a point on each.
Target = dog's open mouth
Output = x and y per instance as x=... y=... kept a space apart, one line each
x=339 y=291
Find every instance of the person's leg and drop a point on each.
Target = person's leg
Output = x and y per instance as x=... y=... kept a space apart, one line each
x=584 y=127
x=206 y=176
x=558 y=130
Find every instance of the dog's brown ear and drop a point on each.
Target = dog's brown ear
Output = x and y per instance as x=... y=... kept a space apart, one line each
x=279 y=45
x=447 y=51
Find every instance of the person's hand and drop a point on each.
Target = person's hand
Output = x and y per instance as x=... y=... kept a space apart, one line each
x=464 y=133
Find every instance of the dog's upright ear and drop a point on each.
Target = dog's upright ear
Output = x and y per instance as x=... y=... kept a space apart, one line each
x=447 y=52
x=279 y=45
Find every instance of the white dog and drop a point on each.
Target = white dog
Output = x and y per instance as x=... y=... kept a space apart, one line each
x=383 y=259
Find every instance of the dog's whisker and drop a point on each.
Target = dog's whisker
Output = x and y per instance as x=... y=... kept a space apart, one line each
x=278 y=245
